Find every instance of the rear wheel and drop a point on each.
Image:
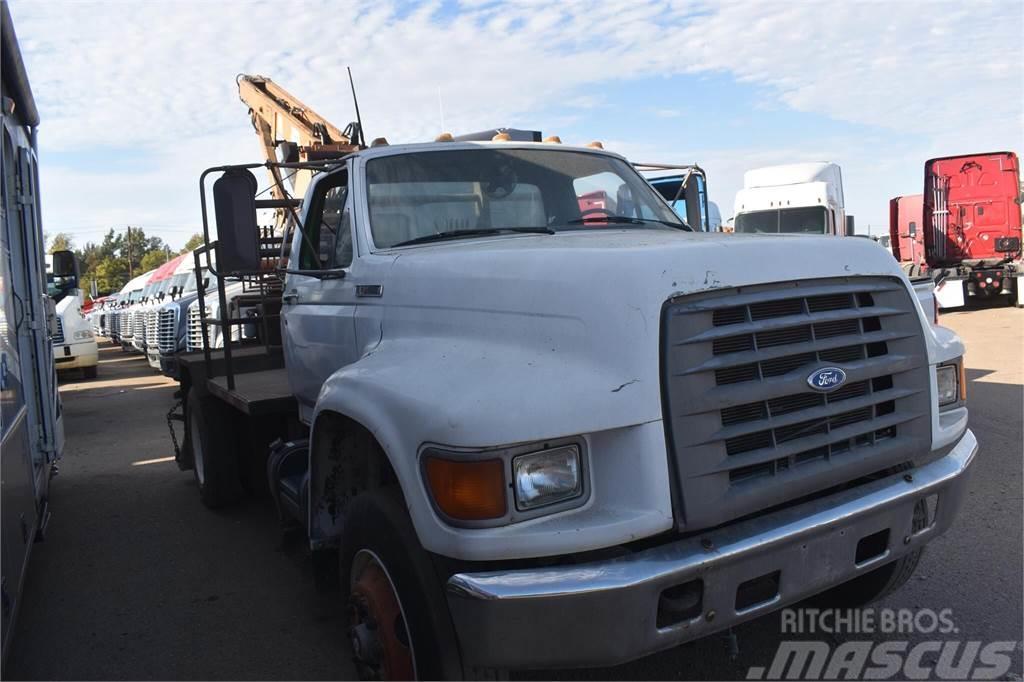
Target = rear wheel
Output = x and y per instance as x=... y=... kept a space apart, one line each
x=214 y=456
x=398 y=615
x=90 y=372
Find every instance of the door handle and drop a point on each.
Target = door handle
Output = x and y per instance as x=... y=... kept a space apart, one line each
x=290 y=297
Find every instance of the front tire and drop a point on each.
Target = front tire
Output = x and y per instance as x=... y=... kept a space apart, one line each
x=214 y=456
x=880 y=582
x=400 y=626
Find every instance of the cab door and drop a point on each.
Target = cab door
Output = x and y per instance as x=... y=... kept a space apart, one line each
x=318 y=314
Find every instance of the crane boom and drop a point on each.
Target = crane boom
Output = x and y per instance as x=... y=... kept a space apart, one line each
x=291 y=131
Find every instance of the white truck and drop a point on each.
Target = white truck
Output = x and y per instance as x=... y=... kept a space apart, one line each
x=519 y=433
x=797 y=198
x=74 y=343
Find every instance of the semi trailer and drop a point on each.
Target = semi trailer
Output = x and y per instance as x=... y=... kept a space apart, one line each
x=31 y=425
x=972 y=227
x=508 y=421
x=906 y=233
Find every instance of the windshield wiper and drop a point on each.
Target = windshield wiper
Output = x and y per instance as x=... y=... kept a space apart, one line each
x=477 y=232
x=627 y=220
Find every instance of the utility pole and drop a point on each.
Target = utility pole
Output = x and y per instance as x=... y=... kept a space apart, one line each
x=130 y=275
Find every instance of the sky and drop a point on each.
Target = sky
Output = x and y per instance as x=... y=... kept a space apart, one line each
x=136 y=99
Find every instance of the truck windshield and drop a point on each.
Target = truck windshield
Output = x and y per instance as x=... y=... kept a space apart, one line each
x=802 y=220
x=58 y=287
x=469 y=192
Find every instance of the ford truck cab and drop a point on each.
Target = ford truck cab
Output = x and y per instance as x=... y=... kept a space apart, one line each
x=520 y=422
x=74 y=343
x=798 y=198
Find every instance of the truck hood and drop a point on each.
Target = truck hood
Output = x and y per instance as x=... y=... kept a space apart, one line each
x=580 y=309
x=590 y=272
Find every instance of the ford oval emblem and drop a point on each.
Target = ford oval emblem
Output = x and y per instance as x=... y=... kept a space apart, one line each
x=826 y=379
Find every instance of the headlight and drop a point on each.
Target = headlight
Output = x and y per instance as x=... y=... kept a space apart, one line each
x=948 y=381
x=82 y=335
x=547 y=477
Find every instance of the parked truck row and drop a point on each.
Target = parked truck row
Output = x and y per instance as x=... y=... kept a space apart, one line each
x=964 y=230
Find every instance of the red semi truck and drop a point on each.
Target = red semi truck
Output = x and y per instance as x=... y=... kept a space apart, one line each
x=971 y=213
x=906 y=233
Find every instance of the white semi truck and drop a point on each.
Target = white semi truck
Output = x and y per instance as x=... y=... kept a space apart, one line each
x=798 y=198
x=74 y=342
x=510 y=424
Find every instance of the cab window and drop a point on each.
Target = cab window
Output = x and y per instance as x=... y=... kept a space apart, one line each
x=328 y=227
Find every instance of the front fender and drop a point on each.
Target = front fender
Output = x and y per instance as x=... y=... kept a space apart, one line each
x=408 y=393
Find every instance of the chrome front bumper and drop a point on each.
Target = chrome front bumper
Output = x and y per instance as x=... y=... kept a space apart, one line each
x=605 y=612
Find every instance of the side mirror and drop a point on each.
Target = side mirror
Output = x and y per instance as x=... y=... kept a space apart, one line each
x=64 y=264
x=913 y=229
x=238 y=236
x=849 y=226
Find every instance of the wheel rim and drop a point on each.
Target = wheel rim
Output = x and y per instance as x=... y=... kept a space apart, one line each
x=378 y=628
x=197 y=451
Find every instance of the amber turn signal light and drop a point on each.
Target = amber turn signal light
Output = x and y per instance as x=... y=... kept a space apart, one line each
x=467 y=490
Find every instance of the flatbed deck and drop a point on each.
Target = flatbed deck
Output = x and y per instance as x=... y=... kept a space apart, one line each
x=256 y=393
x=261 y=382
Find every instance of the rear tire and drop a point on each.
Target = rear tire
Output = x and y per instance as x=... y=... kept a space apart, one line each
x=214 y=455
x=378 y=532
x=90 y=372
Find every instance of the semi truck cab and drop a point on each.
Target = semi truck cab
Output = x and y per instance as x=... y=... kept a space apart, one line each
x=800 y=198
x=74 y=343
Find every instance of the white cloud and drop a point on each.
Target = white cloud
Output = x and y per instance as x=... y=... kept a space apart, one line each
x=159 y=77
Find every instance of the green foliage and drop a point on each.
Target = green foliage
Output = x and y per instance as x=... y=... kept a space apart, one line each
x=153 y=259
x=194 y=242
x=107 y=262
x=61 y=242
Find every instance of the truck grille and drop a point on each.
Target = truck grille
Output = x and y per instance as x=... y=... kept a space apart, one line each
x=152 y=316
x=126 y=324
x=748 y=432
x=139 y=325
x=167 y=334
x=194 y=336
x=59 y=336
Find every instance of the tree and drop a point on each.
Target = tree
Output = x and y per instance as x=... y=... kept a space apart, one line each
x=193 y=243
x=153 y=259
x=110 y=274
x=61 y=242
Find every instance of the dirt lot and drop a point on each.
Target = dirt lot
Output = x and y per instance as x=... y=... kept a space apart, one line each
x=138 y=581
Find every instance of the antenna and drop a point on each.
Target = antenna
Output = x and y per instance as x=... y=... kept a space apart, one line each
x=362 y=135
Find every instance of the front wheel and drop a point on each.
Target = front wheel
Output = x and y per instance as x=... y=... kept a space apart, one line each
x=882 y=581
x=398 y=615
